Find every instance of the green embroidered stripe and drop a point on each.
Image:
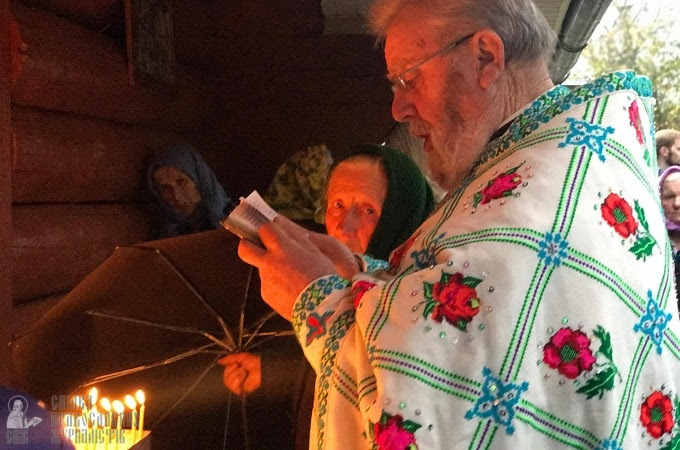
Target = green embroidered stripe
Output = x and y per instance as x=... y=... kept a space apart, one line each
x=554 y=427
x=571 y=190
x=532 y=298
x=628 y=397
x=475 y=437
x=346 y=378
x=485 y=441
x=351 y=397
x=672 y=343
x=382 y=311
x=623 y=156
x=427 y=373
x=593 y=269
x=602 y=107
x=336 y=332
x=447 y=209
x=557 y=133
x=521 y=236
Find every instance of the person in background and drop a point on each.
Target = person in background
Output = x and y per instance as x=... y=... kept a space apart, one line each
x=534 y=309
x=667 y=148
x=187 y=196
x=376 y=197
x=669 y=189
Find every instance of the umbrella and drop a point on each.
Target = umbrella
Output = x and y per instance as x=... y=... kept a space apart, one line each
x=154 y=316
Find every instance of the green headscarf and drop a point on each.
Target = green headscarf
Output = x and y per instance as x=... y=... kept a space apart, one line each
x=409 y=200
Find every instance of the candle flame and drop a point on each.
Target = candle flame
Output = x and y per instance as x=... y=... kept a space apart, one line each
x=78 y=401
x=93 y=395
x=118 y=406
x=130 y=402
x=140 y=396
x=106 y=404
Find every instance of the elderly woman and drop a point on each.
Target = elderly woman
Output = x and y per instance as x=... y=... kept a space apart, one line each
x=669 y=188
x=375 y=199
x=187 y=195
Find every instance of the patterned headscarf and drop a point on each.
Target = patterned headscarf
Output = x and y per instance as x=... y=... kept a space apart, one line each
x=214 y=201
x=297 y=190
x=670 y=225
x=409 y=200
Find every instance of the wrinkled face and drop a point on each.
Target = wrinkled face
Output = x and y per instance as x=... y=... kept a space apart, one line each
x=18 y=406
x=177 y=189
x=670 y=197
x=356 y=193
x=442 y=105
x=672 y=154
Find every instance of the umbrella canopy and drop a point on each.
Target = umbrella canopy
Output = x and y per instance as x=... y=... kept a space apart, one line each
x=153 y=316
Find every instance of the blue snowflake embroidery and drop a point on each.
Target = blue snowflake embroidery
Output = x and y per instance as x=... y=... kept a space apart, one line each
x=653 y=322
x=588 y=135
x=373 y=264
x=609 y=444
x=426 y=256
x=552 y=249
x=316 y=325
x=498 y=401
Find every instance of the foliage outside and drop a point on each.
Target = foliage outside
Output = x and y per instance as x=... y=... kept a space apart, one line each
x=648 y=49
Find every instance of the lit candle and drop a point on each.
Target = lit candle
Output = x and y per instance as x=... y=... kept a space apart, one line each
x=132 y=404
x=139 y=395
x=106 y=404
x=81 y=424
x=119 y=408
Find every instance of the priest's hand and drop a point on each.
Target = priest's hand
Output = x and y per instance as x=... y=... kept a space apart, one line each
x=290 y=260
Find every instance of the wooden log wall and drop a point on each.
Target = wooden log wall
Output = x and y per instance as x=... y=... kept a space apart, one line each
x=283 y=84
x=5 y=195
x=81 y=139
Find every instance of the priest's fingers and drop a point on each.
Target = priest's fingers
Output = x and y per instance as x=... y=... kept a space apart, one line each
x=251 y=253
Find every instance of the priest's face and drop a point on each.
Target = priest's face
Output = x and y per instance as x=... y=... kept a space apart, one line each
x=441 y=99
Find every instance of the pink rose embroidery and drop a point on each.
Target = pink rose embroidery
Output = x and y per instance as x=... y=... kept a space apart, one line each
x=634 y=114
x=501 y=186
x=395 y=433
x=398 y=255
x=569 y=352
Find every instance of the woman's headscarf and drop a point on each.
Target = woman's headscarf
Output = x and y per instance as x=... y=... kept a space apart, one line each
x=670 y=225
x=214 y=201
x=409 y=200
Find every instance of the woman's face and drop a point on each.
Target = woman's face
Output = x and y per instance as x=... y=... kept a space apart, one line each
x=355 y=196
x=670 y=197
x=177 y=189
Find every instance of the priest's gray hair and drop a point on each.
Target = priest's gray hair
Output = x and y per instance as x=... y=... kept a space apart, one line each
x=525 y=33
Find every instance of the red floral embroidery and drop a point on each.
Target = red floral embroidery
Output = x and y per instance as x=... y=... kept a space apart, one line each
x=398 y=255
x=391 y=434
x=360 y=287
x=618 y=213
x=569 y=352
x=656 y=414
x=453 y=298
x=634 y=114
x=501 y=186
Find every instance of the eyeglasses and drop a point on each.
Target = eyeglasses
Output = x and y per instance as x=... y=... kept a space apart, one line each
x=398 y=81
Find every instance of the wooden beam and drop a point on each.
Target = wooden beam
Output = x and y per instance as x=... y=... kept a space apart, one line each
x=5 y=195
x=57 y=246
x=73 y=69
x=67 y=158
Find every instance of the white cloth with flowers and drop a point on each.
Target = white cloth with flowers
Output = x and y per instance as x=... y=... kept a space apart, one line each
x=534 y=309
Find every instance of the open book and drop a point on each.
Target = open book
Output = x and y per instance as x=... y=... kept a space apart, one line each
x=248 y=216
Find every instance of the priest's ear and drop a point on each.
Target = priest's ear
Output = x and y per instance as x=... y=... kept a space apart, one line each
x=490 y=53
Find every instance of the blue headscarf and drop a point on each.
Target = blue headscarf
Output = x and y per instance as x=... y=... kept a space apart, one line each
x=214 y=205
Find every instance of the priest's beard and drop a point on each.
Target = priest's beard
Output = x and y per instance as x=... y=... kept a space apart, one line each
x=452 y=152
